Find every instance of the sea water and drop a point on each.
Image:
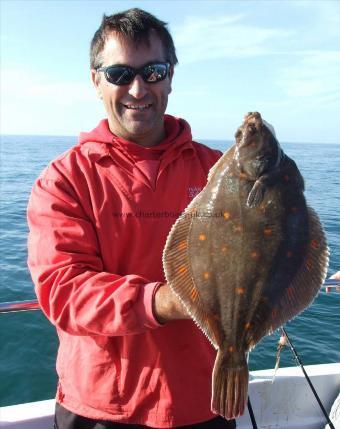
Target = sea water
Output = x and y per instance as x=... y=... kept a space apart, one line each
x=29 y=344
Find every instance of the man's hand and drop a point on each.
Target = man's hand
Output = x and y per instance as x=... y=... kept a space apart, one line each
x=167 y=306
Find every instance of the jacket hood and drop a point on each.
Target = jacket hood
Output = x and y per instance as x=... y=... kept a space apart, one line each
x=144 y=163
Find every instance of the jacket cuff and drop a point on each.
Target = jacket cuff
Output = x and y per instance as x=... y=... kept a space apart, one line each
x=145 y=309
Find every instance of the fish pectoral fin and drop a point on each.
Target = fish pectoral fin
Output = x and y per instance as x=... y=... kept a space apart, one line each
x=256 y=194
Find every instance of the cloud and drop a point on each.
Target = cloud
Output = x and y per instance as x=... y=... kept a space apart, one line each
x=325 y=16
x=314 y=76
x=203 y=39
x=18 y=84
x=32 y=103
x=306 y=68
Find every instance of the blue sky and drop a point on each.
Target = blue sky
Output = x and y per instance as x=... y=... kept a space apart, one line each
x=281 y=58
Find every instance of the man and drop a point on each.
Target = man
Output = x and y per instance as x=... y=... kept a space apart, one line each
x=99 y=216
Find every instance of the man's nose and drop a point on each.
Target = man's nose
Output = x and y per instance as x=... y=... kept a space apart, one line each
x=138 y=87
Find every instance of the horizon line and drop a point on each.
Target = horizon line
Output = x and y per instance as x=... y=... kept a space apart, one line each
x=194 y=139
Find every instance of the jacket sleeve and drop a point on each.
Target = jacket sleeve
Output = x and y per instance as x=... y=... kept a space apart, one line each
x=73 y=290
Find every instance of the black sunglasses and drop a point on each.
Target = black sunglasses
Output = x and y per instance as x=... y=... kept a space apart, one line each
x=124 y=75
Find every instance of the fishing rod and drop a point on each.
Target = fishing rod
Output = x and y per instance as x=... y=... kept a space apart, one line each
x=251 y=414
x=250 y=408
x=298 y=360
x=328 y=285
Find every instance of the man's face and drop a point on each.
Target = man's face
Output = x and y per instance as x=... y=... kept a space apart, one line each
x=145 y=125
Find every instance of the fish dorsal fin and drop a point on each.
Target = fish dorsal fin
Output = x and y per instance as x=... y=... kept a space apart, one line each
x=308 y=280
x=177 y=270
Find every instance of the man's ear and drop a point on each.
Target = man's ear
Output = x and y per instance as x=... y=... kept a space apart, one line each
x=95 y=77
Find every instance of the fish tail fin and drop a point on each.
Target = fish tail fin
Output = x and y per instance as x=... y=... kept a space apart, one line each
x=230 y=385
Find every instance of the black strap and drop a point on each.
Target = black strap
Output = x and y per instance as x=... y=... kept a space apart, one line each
x=252 y=416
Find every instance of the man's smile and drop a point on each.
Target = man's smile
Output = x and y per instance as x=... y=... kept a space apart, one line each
x=138 y=107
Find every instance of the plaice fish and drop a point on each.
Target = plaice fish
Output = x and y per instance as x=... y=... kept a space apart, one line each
x=246 y=255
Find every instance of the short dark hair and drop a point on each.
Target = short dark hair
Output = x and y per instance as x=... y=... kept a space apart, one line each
x=134 y=24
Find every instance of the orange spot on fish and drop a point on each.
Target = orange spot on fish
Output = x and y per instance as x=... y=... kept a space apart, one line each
x=309 y=264
x=255 y=255
x=182 y=269
x=206 y=275
x=238 y=228
x=290 y=292
x=182 y=245
x=231 y=349
x=226 y=215
x=289 y=254
x=194 y=294
x=239 y=290
x=224 y=249
x=267 y=232
x=314 y=244
x=243 y=176
x=247 y=326
x=202 y=237
x=286 y=178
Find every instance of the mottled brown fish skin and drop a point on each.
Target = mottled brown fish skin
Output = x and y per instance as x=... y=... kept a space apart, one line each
x=255 y=258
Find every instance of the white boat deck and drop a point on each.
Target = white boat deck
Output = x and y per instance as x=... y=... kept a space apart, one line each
x=288 y=403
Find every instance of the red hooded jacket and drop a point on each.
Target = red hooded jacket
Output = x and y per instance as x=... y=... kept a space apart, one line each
x=98 y=217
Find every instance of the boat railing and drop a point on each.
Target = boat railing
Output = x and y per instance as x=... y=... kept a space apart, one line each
x=330 y=285
x=8 y=307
